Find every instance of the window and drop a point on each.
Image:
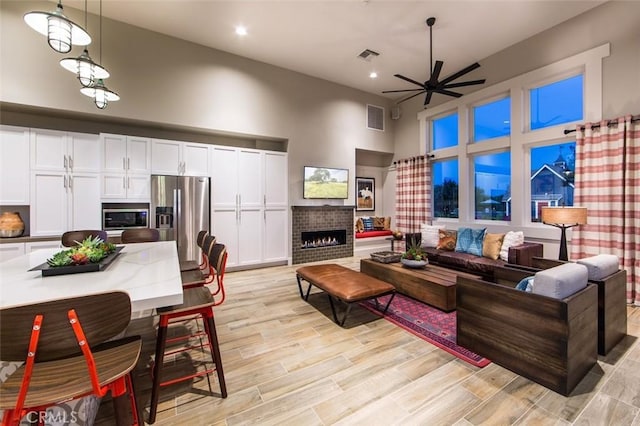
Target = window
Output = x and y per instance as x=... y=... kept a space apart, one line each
x=556 y=103
x=445 y=132
x=492 y=120
x=492 y=176
x=445 y=188
x=552 y=172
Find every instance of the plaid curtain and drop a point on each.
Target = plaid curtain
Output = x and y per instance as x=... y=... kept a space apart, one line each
x=608 y=184
x=413 y=193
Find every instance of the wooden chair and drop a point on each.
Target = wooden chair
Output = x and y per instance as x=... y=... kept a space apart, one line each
x=198 y=302
x=142 y=235
x=67 y=354
x=72 y=238
x=206 y=275
x=193 y=265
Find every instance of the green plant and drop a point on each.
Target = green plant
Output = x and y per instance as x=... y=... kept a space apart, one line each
x=92 y=249
x=414 y=252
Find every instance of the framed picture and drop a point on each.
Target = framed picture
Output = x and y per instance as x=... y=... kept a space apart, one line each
x=365 y=194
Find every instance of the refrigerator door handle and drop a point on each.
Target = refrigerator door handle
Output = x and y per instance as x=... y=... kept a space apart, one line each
x=177 y=202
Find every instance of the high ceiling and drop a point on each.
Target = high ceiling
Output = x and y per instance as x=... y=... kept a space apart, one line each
x=324 y=38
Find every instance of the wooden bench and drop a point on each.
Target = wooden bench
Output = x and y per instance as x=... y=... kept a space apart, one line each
x=343 y=284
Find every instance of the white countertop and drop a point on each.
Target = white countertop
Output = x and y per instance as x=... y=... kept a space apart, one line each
x=148 y=272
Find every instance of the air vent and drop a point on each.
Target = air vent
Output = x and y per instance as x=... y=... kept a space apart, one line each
x=375 y=117
x=368 y=54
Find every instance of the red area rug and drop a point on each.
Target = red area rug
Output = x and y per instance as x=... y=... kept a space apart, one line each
x=431 y=324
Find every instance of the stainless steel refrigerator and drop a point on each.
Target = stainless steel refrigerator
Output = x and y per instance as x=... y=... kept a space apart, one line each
x=179 y=210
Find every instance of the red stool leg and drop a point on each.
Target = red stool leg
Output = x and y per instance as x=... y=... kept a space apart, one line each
x=157 y=367
x=215 y=350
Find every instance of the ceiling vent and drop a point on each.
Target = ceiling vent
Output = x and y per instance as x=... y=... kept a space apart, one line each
x=375 y=117
x=368 y=54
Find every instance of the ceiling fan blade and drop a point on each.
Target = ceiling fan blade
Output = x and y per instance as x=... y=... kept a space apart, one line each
x=412 y=96
x=460 y=73
x=462 y=84
x=395 y=91
x=435 y=73
x=427 y=98
x=402 y=77
x=448 y=93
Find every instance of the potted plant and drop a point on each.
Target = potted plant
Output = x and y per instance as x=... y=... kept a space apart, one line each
x=414 y=257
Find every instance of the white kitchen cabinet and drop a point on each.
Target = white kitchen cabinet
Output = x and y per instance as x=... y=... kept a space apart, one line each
x=11 y=250
x=14 y=166
x=179 y=158
x=126 y=168
x=250 y=204
x=63 y=202
x=40 y=245
x=53 y=150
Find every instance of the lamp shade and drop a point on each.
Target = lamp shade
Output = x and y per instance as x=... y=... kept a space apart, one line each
x=100 y=94
x=84 y=67
x=564 y=215
x=61 y=32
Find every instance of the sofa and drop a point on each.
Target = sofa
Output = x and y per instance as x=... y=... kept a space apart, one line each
x=480 y=253
x=550 y=340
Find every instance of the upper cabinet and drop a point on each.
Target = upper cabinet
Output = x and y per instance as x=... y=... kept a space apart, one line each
x=14 y=166
x=67 y=152
x=126 y=167
x=179 y=158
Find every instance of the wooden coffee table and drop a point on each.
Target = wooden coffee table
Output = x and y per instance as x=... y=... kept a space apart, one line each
x=432 y=284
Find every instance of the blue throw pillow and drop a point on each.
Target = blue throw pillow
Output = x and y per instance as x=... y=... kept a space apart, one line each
x=367 y=223
x=526 y=284
x=470 y=241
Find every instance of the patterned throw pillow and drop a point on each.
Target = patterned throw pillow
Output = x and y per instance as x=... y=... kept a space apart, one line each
x=378 y=223
x=359 y=225
x=447 y=239
x=470 y=241
x=491 y=245
x=367 y=222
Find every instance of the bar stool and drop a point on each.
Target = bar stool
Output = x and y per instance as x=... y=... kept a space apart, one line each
x=205 y=276
x=72 y=238
x=67 y=354
x=142 y=235
x=192 y=265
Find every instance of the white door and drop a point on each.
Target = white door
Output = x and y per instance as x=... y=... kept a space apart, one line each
x=48 y=203
x=48 y=150
x=114 y=185
x=224 y=177
x=139 y=187
x=250 y=236
x=83 y=152
x=114 y=153
x=276 y=235
x=225 y=229
x=14 y=166
x=138 y=155
x=250 y=178
x=275 y=180
x=165 y=157
x=85 y=204
x=195 y=159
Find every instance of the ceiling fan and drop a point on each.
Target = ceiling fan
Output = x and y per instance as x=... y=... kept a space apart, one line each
x=432 y=85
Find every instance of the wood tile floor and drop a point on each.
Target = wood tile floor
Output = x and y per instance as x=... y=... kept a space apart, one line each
x=287 y=363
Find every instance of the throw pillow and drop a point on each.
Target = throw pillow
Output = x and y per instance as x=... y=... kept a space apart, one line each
x=430 y=237
x=470 y=241
x=359 y=225
x=447 y=239
x=367 y=222
x=526 y=284
x=387 y=223
x=511 y=238
x=491 y=245
x=378 y=223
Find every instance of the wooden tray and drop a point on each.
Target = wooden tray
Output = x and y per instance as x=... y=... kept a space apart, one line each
x=48 y=270
x=386 y=256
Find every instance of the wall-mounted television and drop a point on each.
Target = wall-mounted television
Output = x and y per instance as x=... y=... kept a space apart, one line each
x=326 y=182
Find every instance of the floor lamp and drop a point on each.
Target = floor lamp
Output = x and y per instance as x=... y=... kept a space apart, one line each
x=564 y=218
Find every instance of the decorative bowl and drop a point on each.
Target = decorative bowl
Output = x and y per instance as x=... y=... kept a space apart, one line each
x=410 y=263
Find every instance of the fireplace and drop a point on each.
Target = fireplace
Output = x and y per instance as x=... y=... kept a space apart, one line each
x=321 y=233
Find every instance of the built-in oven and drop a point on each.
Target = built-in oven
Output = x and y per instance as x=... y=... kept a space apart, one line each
x=120 y=219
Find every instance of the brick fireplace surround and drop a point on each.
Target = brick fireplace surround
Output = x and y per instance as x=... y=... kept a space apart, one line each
x=321 y=218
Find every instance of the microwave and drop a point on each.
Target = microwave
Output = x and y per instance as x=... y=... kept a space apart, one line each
x=120 y=219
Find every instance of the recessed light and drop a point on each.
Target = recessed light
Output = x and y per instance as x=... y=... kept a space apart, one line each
x=373 y=74
x=241 y=30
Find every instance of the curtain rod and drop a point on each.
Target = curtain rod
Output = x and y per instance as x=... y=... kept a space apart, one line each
x=609 y=123
x=419 y=157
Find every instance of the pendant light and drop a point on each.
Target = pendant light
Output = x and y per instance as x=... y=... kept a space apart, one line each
x=99 y=92
x=61 y=32
x=83 y=66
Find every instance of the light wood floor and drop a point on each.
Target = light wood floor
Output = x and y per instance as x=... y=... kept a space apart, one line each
x=288 y=363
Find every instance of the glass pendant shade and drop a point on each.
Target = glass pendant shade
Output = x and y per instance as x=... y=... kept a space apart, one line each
x=100 y=94
x=61 y=32
x=84 y=67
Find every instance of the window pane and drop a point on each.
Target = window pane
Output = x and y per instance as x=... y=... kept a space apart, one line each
x=445 y=132
x=445 y=188
x=493 y=182
x=552 y=170
x=556 y=103
x=492 y=120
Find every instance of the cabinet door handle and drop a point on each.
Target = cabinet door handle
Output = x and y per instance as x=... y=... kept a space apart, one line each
x=65 y=181
x=124 y=163
x=70 y=182
x=70 y=163
x=65 y=162
x=128 y=163
x=264 y=197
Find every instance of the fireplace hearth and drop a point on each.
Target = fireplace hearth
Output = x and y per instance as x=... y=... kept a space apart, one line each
x=321 y=233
